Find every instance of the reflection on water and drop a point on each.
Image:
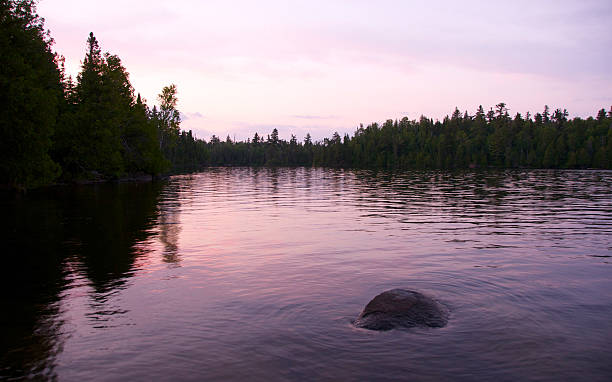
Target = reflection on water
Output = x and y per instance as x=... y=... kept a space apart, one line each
x=31 y=280
x=170 y=224
x=239 y=273
x=55 y=242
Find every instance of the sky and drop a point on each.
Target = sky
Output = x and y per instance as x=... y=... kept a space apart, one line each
x=321 y=66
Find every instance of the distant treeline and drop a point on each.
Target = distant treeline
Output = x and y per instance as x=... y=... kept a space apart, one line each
x=54 y=128
x=491 y=139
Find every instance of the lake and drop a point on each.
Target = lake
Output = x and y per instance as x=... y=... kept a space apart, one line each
x=256 y=274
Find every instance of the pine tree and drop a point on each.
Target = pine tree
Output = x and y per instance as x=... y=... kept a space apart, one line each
x=30 y=92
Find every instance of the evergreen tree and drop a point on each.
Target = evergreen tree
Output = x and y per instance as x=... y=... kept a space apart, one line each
x=90 y=142
x=273 y=138
x=105 y=130
x=30 y=93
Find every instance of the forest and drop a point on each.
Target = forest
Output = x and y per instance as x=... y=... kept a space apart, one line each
x=460 y=141
x=95 y=127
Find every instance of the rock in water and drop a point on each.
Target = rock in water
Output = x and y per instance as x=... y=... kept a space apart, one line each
x=402 y=308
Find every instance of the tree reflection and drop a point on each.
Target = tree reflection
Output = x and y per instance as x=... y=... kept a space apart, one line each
x=52 y=237
x=31 y=280
x=108 y=221
x=273 y=174
x=169 y=225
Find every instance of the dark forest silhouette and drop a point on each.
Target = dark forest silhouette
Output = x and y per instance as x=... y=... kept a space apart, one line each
x=95 y=127
x=492 y=139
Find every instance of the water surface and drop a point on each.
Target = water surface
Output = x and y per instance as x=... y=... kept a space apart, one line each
x=256 y=274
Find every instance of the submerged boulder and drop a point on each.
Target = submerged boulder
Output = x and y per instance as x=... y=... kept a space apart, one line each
x=402 y=308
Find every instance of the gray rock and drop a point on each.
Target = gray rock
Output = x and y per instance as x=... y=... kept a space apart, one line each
x=402 y=308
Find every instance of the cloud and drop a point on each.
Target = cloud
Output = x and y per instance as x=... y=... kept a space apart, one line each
x=190 y=116
x=314 y=116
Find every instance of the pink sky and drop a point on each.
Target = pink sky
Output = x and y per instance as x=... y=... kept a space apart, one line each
x=324 y=66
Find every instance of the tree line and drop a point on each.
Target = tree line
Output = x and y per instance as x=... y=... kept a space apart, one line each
x=491 y=139
x=55 y=128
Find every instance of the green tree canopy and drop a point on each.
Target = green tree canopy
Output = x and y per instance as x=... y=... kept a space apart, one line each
x=30 y=91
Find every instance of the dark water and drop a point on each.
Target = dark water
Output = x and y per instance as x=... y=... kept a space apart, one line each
x=256 y=274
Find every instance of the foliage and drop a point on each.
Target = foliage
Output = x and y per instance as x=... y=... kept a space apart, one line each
x=105 y=130
x=30 y=92
x=94 y=128
x=493 y=139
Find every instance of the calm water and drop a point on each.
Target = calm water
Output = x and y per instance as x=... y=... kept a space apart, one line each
x=256 y=274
